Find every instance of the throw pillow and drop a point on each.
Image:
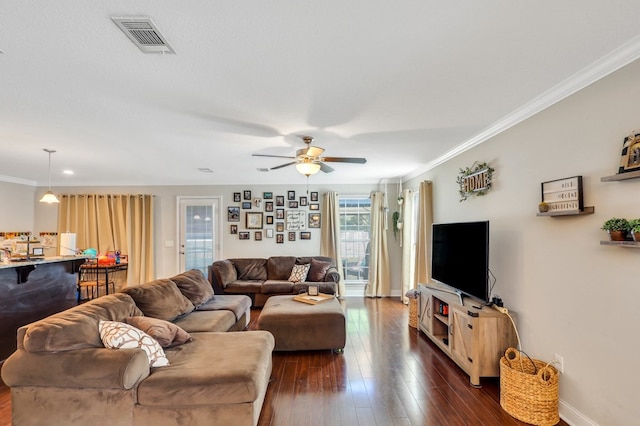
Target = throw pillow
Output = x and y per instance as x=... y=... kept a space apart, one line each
x=299 y=273
x=318 y=270
x=118 y=335
x=166 y=333
x=160 y=299
x=194 y=286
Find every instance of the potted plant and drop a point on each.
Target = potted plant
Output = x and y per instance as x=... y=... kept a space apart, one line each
x=634 y=228
x=617 y=228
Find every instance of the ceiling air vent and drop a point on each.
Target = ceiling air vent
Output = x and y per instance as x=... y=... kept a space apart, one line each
x=144 y=34
x=262 y=169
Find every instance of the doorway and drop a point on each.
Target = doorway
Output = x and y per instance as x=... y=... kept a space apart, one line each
x=199 y=232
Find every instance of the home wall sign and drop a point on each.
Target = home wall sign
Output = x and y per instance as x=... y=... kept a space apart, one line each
x=475 y=180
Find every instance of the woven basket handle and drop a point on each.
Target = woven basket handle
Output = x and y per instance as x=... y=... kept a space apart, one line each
x=515 y=355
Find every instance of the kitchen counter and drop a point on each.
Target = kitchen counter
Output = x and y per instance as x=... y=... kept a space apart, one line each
x=31 y=290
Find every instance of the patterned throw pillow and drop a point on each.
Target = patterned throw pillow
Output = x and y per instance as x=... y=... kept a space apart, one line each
x=118 y=335
x=299 y=273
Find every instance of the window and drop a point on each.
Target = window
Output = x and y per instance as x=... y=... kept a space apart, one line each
x=355 y=226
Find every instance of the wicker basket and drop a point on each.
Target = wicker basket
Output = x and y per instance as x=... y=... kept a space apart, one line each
x=528 y=389
x=413 y=313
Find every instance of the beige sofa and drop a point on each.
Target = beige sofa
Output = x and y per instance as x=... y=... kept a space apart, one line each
x=62 y=374
x=261 y=278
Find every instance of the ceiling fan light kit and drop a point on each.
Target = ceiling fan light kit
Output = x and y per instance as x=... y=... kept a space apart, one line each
x=308 y=161
x=308 y=168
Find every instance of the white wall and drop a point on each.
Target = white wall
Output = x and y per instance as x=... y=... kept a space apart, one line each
x=16 y=207
x=572 y=296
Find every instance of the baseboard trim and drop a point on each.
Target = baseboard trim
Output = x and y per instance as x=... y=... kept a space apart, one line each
x=572 y=416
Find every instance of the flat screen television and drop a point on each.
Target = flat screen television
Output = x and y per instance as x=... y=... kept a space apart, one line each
x=460 y=257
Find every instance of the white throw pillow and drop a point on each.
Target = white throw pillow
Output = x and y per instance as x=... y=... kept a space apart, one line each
x=118 y=335
x=299 y=273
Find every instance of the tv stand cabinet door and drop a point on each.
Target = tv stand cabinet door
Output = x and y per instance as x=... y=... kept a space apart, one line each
x=465 y=342
x=426 y=311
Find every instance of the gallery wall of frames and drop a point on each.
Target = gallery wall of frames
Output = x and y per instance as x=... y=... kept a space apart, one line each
x=274 y=216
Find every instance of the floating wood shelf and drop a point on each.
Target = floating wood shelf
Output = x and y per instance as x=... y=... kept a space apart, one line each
x=586 y=210
x=634 y=244
x=621 y=176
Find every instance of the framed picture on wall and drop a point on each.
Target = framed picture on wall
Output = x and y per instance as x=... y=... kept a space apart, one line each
x=233 y=214
x=247 y=195
x=303 y=201
x=246 y=205
x=314 y=206
x=630 y=158
x=314 y=196
x=267 y=195
x=257 y=236
x=269 y=219
x=269 y=232
x=291 y=195
x=279 y=226
x=233 y=230
x=236 y=197
x=268 y=206
x=243 y=235
x=279 y=238
x=292 y=236
x=314 y=220
x=293 y=204
x=305 y=235
x=254 y=220
x=279 y=213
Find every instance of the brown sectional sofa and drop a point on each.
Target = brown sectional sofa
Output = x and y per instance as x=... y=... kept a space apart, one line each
x=62 y=374
x=261 y=278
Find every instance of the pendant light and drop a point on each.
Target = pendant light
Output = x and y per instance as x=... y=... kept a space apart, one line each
x=49 y=197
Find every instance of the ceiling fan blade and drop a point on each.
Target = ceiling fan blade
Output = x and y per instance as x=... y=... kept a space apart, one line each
x=325 y=168
x=276 y=156
x=354 y=160
x=283 y=165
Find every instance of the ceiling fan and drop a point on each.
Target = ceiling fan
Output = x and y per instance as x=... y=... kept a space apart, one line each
x=308 y=160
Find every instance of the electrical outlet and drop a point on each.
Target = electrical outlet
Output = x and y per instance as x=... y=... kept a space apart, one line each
x=559 y=364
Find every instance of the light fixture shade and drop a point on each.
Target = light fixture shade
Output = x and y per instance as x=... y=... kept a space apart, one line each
x=308 y=169
x=49 y=197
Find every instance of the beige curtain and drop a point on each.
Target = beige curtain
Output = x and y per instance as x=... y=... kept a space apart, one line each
x=423 y=241
x=113 y=222
x=330 y=234
x=379 y=276
x=408 y=244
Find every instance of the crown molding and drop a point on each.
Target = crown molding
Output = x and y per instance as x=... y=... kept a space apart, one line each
x=12 y=179
x=601 y=68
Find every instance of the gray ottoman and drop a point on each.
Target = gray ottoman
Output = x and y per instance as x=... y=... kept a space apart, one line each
x=299 y=326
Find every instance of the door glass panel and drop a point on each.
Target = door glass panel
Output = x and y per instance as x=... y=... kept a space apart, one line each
x=198 y=245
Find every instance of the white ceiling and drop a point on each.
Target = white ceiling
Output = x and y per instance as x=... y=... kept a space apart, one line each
x=401 y=83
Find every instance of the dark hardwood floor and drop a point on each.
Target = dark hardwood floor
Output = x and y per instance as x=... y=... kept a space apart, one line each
x=389 y=374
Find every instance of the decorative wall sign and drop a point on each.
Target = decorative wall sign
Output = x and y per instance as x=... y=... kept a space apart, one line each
x=295 y=220
x=563 y=195
x=630 y=159
x=475 y=180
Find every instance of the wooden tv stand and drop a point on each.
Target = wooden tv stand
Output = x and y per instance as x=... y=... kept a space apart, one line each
x=473 y=338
